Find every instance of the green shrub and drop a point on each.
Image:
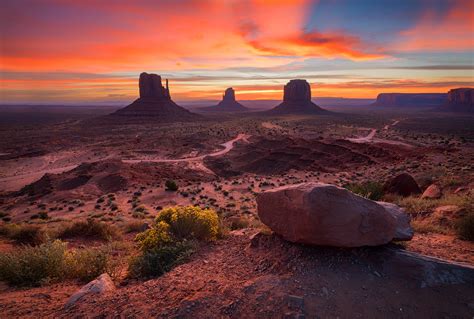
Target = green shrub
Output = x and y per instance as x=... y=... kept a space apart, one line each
x=190 y=222
x=155 y=237
x=416 y=205
x=52 y=262
x=465 y=227
x=43 y=215
x=32 y=266
x=159 y=260
x=171 y=238
x=133 y=227
x=25 y=234
x=86 y=264
x=238 y=223
x=171 y=185
x=90 y=229
x=370 y=189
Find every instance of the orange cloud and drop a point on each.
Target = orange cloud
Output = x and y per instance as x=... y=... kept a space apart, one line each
x=452 y=32
x=109 y=35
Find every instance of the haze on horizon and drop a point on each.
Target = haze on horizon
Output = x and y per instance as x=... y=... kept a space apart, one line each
x=69 y=51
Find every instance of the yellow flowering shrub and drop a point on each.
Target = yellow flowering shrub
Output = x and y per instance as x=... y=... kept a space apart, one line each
x=190 y=222
x=180 y=223
x=156 y=236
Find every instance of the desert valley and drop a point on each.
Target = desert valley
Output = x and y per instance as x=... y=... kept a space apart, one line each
x=96 y=180
x=294 y=159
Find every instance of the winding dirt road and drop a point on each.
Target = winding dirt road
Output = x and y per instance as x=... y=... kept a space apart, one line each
x=20 y=180
x=370 y=138
x=229 y=145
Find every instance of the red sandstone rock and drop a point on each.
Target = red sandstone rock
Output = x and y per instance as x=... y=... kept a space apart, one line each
x=433 y=191
x=322 y=214
x=297 y=99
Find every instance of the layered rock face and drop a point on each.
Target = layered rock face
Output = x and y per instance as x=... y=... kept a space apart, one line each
x=461 y=100
x=297 y=99
x=327 y=215
x=410 y=99
x=155 y=101
x=228 y=104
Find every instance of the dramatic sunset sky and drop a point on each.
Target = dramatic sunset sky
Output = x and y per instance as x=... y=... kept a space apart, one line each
x=92 y=51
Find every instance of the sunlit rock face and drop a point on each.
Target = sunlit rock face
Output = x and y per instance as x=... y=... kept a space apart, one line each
x=461 y=99
x=297 y=99
x=155 y=102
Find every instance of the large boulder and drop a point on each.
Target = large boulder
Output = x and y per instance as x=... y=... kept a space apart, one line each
x=403 y=185
x=322 y=214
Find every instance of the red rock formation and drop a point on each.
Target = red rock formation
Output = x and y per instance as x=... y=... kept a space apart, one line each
x=155 y=101
x=151 y=87
x=461 y=100
x=229 y=95
x=327 y=215
x=228 y=104
x=297 y=99
x=297 y=91
x=410 y=99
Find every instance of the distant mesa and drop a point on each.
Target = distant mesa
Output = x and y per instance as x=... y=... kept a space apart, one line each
x=297 y=100
x=155 y=101
x=461 y=100
x=410 y=99
x=228 y=104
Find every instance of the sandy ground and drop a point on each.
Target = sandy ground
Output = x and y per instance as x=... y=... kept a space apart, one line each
x=265 y=277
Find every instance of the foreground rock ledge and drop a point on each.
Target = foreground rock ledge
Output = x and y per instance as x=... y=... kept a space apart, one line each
x=327 y=215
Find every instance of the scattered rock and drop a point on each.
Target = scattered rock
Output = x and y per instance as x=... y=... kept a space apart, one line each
x=322 y=214
x=460 y=190
x=403 y=185
x=433 y=191
x=448 y=214
x=100 y=285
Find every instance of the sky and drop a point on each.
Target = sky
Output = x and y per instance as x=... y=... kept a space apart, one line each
x=92 y=51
